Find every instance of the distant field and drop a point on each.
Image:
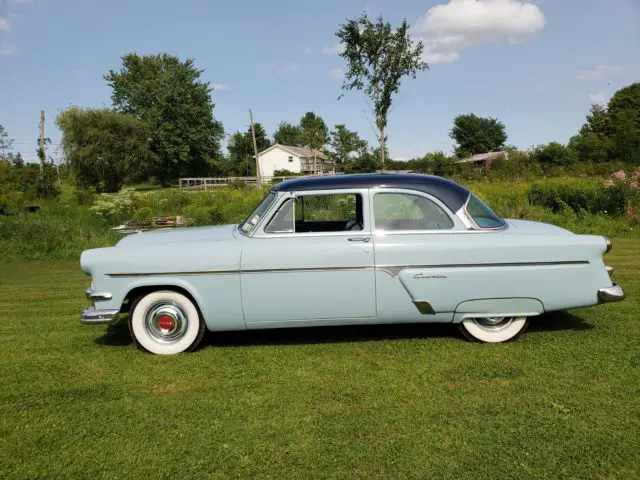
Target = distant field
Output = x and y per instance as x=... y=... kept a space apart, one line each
x=368 y=402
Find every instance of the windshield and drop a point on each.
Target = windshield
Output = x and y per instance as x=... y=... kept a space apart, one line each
x=482 y=215
x=252 y=220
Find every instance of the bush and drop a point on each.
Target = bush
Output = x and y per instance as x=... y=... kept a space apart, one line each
x=144 y=216
x=553 y=155
x=55 y=231
x=584 y=196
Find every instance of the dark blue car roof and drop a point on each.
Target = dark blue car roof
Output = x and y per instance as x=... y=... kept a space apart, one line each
x=448 y=192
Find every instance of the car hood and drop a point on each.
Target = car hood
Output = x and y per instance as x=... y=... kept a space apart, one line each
x=534 y=228
x=180 y=235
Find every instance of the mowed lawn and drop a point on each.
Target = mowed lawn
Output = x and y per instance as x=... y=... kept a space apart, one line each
x=368 y=402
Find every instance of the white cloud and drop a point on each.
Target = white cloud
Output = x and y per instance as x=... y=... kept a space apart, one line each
x=221 y=87
x=8 y=49
x=598 y=99
x=307 y=50
x=336 y=73
x=4 y=25
x=602 y=72
x=289 y=68
x=449 y=28
x=335 y=50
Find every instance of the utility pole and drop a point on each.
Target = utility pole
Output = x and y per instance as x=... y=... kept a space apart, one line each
x=41 y=152
x=255 y=150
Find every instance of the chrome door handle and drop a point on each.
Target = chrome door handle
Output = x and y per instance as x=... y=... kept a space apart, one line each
x=359 y=239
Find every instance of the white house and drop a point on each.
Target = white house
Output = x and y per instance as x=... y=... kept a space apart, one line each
x=294 y=159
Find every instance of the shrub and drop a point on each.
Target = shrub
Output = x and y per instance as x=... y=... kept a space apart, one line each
x=583 y=196
x=144 y=216
x=56 y=231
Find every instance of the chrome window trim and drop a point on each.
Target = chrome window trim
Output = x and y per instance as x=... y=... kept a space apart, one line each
x=478 y=227
x=382 y=190
x=267 y=214
x=260 y=231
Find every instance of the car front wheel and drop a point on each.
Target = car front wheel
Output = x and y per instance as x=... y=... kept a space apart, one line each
x=493 y=329
x=165 y=323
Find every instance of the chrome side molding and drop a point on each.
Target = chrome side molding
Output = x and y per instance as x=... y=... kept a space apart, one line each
x=93 y=295
x=611 y=294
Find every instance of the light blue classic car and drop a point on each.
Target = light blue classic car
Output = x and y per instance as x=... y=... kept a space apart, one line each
x=345 y=250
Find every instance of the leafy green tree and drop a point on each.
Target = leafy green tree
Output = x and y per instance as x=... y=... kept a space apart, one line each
x=598 y=122
x=104 y=147
x=612 y=133
x=16 y=160
x=553 y=155
x=378 y=58
x=241 y=153
x=6 y=143
x=474 y=135
x=344 y=142
x=288 y=134
x=624 y=118
x=313 y=131
x=168 y=96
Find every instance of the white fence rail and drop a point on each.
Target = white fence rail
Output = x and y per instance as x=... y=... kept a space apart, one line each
x=206 y=183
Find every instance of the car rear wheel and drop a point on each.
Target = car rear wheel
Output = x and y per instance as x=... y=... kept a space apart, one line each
x=165 y=323
x=493 y=329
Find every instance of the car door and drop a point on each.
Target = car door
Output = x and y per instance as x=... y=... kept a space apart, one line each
x=412 y=233
x=311 y=263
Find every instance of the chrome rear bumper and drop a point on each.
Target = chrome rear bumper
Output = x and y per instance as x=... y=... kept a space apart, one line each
x=91 y=316
x=611 y=294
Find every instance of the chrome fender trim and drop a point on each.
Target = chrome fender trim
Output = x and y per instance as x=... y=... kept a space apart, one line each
x=93 y=295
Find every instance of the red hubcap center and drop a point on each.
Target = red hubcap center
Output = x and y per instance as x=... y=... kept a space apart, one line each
x=166 y=322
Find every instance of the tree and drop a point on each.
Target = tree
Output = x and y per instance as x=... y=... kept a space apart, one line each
x=624 y=119
x=378 y=58
x=104 y=147
x=597 y=122
x=474 y=135
x=344 y=142
x=288 y=134
x=612 y=133
x=553 y=155
x=241 y=151
x=168 y=96
x=6 y=143
x=313 y=131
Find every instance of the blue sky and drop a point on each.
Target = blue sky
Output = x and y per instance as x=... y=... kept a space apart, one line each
x=535 y=65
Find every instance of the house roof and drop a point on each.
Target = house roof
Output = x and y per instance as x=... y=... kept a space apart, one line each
x=483 y=157
x=302 y=152
x=448 y=192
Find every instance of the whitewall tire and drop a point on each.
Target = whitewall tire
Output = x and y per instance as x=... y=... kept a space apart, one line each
x=493 y=330
x=165 y=323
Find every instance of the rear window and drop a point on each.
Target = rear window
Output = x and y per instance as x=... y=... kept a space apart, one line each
x=482 y=215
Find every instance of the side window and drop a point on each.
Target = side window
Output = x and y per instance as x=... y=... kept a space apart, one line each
x=318 y=213
x=282 y=221
x=329 y=213
x=403 y=211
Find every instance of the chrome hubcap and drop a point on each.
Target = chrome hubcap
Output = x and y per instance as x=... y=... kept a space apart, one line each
x=165 y=322
x=493 y=324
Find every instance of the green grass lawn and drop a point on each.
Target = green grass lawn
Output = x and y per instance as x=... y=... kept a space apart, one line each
x=373 y=402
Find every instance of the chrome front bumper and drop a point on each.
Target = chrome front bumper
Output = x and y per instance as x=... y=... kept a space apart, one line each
x=611 y=294
x=91 y=316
